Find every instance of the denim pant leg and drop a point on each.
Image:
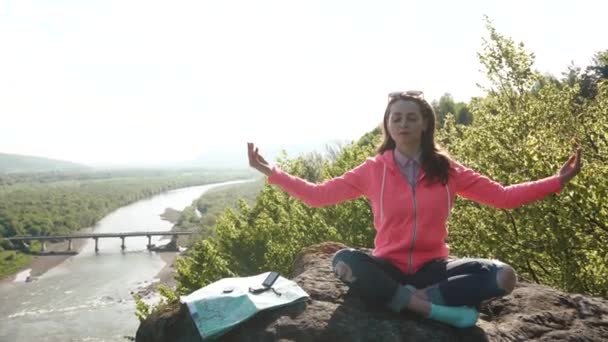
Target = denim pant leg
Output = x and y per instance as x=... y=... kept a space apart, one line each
x=470 y=281
x=376 y=280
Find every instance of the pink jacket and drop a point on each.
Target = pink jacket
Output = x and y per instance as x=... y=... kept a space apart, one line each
x=411 y=222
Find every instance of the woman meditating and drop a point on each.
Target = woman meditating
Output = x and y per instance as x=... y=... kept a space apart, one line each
x=411 y=185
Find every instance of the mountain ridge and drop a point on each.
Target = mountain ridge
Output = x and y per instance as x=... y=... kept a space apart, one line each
x=20 y=163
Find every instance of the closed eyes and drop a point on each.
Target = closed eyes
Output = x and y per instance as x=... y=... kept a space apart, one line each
x=411 y=117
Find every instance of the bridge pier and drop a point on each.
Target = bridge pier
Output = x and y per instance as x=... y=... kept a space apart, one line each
x=96 y=244
x=149 y=241
x=69 y=244
x=43 y=243
x=173 y=244
x=122 y=246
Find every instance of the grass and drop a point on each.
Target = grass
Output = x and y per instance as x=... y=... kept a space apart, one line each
x=12 y=261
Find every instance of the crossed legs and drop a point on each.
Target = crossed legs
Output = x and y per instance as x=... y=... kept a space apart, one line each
x=441 y=288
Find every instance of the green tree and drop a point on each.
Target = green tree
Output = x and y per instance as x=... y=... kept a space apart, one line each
x=446 y=105
x=523 y=130
x=593 y=75
x=464 y=115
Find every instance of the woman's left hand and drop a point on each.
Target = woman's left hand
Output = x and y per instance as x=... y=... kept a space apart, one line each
x=571 y=168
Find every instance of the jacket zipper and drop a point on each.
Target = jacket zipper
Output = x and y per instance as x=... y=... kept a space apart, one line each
x=409 y=271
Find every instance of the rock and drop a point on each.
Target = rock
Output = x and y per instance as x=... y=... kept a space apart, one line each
x=530 y=313
x=107 y=299
x=31 y=278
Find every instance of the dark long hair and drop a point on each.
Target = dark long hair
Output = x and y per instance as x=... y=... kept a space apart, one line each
x=435 y=161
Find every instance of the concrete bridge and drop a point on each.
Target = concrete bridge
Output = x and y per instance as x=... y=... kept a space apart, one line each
x=97 y=236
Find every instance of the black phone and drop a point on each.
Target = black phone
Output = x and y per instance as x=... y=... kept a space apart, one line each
x=272 y=277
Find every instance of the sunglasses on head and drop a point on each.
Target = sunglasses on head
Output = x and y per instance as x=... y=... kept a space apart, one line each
x=417 y=94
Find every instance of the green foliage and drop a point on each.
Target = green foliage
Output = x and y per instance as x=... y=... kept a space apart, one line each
x=523 y=130
x=200 y=217
x=202 y=265
x=169 y=294
x=212 y=203
x=11 y=262
x=142 y=310
x=507 y=65
x=188 y=218
x=446 y=106
x=594 y=73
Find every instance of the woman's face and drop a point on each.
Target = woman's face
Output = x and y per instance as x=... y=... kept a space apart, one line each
x=405 y=122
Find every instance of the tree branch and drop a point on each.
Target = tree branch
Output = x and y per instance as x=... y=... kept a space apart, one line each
x=512 y=219
x=532 y=273
x=541 y=266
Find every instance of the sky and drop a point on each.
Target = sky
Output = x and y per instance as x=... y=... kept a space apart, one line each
x=133 y=82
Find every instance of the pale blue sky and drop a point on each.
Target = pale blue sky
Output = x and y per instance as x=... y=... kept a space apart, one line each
x=157 y=81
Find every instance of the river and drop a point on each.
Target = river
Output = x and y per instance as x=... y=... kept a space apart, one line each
x=88 y=296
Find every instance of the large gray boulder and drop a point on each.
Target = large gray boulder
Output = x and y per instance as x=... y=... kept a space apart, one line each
x=530 y=313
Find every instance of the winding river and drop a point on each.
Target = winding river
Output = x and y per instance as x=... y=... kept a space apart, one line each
x=88 y=296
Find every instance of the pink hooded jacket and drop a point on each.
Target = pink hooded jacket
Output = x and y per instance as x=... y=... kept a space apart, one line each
x=411 y=221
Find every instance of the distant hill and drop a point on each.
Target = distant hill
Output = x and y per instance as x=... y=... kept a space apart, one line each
x=237 y=157
x=15 y=163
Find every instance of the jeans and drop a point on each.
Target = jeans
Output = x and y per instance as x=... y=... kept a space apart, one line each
x=464 y=281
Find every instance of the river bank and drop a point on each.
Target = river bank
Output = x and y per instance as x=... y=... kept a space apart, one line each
x=166 y=276
x=55 y=254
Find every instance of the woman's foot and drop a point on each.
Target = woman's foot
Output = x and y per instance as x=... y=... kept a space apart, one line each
x=456 y=316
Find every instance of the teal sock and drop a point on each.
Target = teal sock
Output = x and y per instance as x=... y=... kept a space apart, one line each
x=401 y=298
x=457 y=316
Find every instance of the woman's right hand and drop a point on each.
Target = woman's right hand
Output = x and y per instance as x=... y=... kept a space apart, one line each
x=572 y=167
x=256 y=161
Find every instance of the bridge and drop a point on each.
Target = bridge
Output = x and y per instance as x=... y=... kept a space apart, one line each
x=97 y=236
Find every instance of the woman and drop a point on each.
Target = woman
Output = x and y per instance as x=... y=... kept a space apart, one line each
x=411 y=186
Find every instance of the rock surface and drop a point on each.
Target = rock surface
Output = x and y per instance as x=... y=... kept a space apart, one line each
x=530 y=313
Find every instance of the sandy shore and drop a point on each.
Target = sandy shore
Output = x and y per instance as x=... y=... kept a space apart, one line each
x=167 y=273
x=55 y=254
x=165 y=276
